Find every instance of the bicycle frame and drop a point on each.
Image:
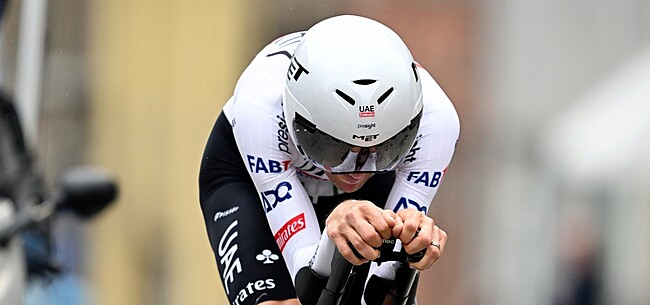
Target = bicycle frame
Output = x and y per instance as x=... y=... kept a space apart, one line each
x=341 y=268
x=333 y=288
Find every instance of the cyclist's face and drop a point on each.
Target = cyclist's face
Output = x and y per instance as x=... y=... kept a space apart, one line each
x=349 y=182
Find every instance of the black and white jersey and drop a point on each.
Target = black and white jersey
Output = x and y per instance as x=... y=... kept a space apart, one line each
x=289 y=185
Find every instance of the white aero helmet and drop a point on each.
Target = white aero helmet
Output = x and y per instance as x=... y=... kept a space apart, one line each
x=353 y=96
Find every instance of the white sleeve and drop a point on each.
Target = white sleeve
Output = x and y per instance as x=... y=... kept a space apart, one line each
x=420 y=173
x=287 y=206
x=261 y=133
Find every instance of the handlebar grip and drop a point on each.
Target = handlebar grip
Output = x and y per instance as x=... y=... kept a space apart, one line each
x=415 y=257
x=387 y=253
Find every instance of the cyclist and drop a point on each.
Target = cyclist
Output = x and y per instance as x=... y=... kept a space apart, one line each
x=335 y=130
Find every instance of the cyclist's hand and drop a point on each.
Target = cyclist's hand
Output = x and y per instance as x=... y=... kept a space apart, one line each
x=412 y=221
x=361 y=224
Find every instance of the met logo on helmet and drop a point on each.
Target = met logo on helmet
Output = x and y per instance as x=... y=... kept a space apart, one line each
x=366 y=138
x=295 y=69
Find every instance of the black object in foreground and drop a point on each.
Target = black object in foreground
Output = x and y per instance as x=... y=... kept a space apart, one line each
x=313 y=289
x=85 y=191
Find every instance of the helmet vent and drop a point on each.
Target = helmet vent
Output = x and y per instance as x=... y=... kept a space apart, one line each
x=364 y=81
x=415 y=70
x=383 y=97
x=346 y=97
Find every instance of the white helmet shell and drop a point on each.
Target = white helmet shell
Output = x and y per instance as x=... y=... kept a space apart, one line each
x=355 y=80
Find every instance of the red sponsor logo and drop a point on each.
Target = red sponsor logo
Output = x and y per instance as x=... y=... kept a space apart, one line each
x=293 y=226
x=367 y=114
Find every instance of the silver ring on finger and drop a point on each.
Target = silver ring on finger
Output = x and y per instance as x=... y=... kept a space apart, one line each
x=435 y=244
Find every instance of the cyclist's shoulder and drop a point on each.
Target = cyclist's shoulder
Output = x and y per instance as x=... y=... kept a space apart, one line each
x=439 y=111
x=439 y=128
x=261 y=84
x=434 y=97
x=283 y=46
x=275 y=57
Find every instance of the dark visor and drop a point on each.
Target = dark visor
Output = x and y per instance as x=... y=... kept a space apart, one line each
x=339 y=157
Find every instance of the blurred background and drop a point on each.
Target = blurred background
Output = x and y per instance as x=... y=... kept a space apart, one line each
x=547 y=199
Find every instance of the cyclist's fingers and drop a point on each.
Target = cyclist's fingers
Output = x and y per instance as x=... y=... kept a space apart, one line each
x=412 y=220
x=399 y=225
x=380 y=219
x=368 y=234
x=425 y=263
x=424 y=236
x=364 y=249
x=389 y=216
x=346 y=251
x=368 y=222
x=442 y=239
x=355 y=250
x=433 y=252
x=345 y=235
x=383 y=222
